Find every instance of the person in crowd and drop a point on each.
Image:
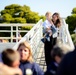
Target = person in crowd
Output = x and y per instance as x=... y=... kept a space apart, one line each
x=26 y=60
x=7 y=70
x=57 y=54
x=11 y=57
x=48 y=27
x=68 y=64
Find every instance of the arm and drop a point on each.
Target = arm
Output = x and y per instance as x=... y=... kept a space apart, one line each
x=54 y=29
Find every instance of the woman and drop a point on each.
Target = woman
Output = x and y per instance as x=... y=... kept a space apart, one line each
x=57 y=22
x=26 y=60
x=61 y=30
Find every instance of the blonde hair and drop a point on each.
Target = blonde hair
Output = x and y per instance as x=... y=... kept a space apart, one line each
x=47 y=13
x=27 y=45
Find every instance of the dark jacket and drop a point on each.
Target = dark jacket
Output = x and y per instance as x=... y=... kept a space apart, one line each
x=68 y=64
x=36 y=70
x=52 y=69
x=0 y=57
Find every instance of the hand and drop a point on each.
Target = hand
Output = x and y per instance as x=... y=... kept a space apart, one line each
x=47 y=29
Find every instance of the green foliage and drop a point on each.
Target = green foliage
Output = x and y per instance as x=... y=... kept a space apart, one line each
x=32 y=17
x=71 y=21
x=74 y=38
x=27 y=27
x=18 y=20
x=42 y=17
x=74 y=11
x=7 y=18
x=22 y=13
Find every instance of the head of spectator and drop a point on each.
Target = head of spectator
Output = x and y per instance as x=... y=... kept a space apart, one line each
x=11 y=58
x=24 y=50
x=68 y=64
x=57 y=54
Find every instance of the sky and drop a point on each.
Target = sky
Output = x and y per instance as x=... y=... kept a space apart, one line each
x=63 y=7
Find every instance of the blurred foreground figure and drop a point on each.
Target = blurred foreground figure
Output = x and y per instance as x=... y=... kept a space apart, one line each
x=68 y=64
x=5 y=70
x=27 y=65
x=57 y=55
x=11 y=58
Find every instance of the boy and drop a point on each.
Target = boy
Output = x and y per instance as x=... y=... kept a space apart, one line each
x=11 y=58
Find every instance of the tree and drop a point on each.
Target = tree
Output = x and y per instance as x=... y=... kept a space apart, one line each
x=19 y=12
x=71 y=21
x=18 y=20
x=7 y=18
x=42 y=17
x=32 y=17
x=74 y=11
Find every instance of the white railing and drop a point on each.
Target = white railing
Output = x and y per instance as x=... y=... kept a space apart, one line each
x=8 y=42
x=12 y=30
x=33 y=37
x=67 y=38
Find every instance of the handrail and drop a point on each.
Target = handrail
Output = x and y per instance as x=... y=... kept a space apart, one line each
x=11 y=31
x=69 y=39
x=11 y=40
x=33 y=37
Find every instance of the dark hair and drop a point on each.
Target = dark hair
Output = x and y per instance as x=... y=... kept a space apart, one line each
x=58 y=20
x=57 y=14
x=57 y=51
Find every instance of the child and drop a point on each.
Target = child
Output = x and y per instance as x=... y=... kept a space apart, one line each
x=48 y=27
x=57 y=54
x=11 y=58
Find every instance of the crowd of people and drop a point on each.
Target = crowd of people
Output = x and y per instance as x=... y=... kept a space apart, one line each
x=59 y=58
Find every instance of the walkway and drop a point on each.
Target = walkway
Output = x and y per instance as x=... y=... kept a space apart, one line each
x=41 y=57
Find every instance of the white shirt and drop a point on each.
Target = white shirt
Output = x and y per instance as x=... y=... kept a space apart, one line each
x=46 y=24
